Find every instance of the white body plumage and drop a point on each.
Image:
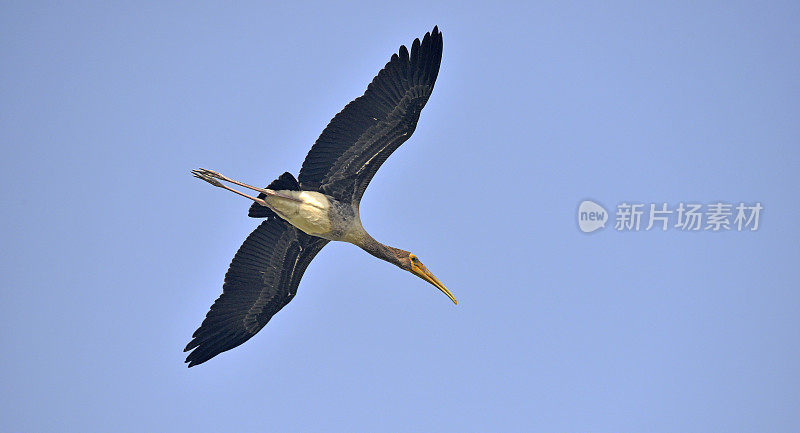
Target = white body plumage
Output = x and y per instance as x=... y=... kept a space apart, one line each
x=307 y=210
x=319 y=215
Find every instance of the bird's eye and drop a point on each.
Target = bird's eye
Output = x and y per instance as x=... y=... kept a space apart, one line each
x=414 y=259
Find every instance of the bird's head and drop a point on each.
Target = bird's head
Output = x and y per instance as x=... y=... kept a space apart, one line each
x=411 y=263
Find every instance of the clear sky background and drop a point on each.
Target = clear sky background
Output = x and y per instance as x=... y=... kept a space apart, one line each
x=112 y=252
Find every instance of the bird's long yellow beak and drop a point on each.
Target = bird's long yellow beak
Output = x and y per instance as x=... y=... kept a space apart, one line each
x=421 y=271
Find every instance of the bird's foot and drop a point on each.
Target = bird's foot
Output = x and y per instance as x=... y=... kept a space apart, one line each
x=214 y=174
x=203 y=175
x=214 y=178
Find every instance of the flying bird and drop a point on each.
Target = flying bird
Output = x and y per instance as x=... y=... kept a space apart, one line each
x=302 y=215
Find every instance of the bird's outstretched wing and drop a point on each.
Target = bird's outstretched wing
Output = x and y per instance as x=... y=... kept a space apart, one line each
x=358 y=140
x=262 y=278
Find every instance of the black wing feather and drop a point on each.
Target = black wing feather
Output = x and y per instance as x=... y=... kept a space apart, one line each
x=361 y=137
x=262 y=278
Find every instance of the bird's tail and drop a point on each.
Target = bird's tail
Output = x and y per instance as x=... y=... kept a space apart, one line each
x=285 y=182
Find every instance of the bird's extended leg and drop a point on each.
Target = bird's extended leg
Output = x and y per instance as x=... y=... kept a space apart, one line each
x=215 y=182
x=214 y=174
x=214 y=178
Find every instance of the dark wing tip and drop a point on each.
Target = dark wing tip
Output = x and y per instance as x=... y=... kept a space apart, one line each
x=212 y=345
x=403 y=53
x=197 y=358
x=415 y=50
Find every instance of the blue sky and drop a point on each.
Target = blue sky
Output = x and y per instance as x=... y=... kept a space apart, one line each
x=113 y=252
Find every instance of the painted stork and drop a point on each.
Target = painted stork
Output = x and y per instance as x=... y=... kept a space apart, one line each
x=302 y=215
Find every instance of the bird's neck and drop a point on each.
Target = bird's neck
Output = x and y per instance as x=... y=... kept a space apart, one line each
x=377 y=249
